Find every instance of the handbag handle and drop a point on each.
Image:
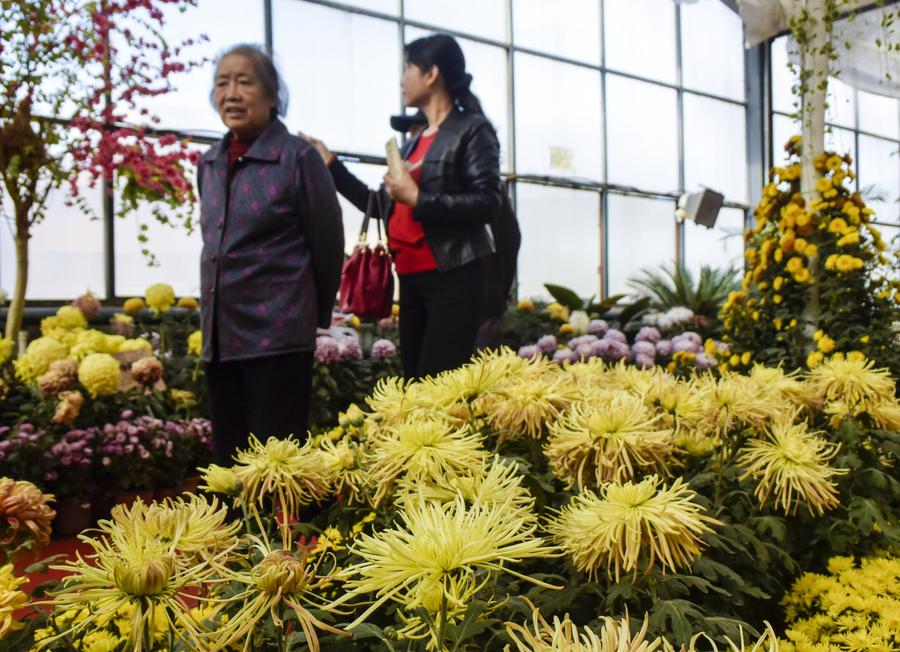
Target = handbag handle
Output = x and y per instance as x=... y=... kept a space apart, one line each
x=364 y=229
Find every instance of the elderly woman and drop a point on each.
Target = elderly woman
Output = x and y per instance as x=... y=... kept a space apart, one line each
x=272 y=253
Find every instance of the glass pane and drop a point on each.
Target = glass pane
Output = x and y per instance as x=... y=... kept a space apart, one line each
x=560 y=239
x=718 y=247
x=177 y=252
x=568 y=29
x=641 y=233
x=782 y=79
x=640 y=37
x=391 y=7
x=65 y=251
x=487 y=65
x=879 y=115
x=708 y=125
x=841 y=141
x=641 y=126
x=712 y=49
x=558 y=129
x=841 y=106
x=879 y=174
x=225 y=23
x=334 y=97
x=486 y=18
x=783 y=128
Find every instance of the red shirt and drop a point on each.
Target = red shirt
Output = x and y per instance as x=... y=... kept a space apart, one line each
x=406 y=237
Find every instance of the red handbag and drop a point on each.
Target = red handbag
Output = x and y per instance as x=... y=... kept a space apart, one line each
x=367 y=281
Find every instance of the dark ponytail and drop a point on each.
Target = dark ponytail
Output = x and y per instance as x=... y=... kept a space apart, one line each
x=443 y=51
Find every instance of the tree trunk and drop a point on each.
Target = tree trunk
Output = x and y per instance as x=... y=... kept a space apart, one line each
x=813 y=60
x=17 y=305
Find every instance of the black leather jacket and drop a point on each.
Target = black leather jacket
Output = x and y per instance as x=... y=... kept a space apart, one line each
x=459 y=189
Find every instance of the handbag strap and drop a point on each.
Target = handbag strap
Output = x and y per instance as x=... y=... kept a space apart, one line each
x=364 y=229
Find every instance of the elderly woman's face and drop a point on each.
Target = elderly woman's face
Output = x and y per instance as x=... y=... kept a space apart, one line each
x=240 y=98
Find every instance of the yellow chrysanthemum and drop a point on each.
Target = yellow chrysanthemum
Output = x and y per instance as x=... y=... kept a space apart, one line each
x=94 y=341
x=343 y=460
x=136 y=344
x=195 y=343
x=391 y=400
x=99 y=373
x=188 y=303
x=133 y=305
x=128 y=569
x=607 y=439
x=433 y=545
x=423 y=450
x=735 y=399
x=499 y=482
x=37 y=358
x=66 y=318
x=528 y=404
x=630 y=521
x=284 y=471
x=792 y=463
x=159 y=297
x=198 y=525
x=787 y=386
x=564 y=636
x=278 y=580
x=11 y=599
x=852 y=381
x=221 y=480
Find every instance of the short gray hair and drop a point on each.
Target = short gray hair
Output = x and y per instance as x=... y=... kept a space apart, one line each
x=265 y=70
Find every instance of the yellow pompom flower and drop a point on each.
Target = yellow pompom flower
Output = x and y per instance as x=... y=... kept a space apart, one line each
x=137 y=344
x=607 y=439
x=566 y=329
x=525 y=305
x=814 y=359
x=195 y=343
x=558 y=312
x=628 y=522
x=11 y=600
x=99 y=373
x=133 y=305
x=66 y=318
x=160 y=297
x=823 y=185
x=792 y=464
x=825 y=344
x=794 y=265
x=188 y=303
x=834 y=162
x=37 y=358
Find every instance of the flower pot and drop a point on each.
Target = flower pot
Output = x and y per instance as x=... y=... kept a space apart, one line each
x=168 y=492
x=127 y=498
x=190 y=484
x=73 y=516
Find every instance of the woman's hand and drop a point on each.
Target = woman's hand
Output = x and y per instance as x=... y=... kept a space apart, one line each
x=403 y=190
x=326 y=154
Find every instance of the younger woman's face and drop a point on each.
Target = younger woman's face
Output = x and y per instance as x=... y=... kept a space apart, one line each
x=417 y=84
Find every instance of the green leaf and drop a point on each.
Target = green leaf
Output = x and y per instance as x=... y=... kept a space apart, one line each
x=565 y=296
x=634 y=310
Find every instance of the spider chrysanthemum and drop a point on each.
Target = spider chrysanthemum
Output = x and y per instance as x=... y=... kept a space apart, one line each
x=791 y=463
x=628 y=522
x=607 y=439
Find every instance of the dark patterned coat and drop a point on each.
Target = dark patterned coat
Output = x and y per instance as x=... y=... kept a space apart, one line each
x=273 y=246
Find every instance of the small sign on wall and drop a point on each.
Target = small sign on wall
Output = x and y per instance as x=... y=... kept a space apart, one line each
x=562 y=158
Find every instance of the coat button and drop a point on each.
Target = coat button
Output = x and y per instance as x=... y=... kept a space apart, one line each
x=220 y=224
x=213 y=258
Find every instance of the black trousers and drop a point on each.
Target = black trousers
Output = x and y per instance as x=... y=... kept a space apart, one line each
x=264 y=396
x=439 y=314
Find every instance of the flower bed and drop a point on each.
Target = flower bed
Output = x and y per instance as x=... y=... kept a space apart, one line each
x=468 y=511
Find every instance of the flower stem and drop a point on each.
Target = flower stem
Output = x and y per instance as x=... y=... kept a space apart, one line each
x=443 y=620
